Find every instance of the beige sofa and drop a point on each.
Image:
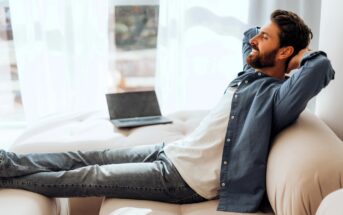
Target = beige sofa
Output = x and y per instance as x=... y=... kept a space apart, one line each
x=305 y=164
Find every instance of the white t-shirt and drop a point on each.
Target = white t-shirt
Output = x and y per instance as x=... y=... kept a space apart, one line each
x=198 y=156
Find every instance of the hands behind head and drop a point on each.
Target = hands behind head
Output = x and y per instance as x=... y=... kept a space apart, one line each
x=295 y=61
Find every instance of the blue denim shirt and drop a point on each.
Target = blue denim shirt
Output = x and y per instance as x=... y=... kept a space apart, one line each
x=262 y=106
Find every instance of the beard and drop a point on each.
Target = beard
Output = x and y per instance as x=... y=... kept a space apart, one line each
x=260 y=61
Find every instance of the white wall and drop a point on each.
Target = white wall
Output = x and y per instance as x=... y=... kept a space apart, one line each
x=329 y=105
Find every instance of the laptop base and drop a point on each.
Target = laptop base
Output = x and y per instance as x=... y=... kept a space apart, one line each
x=140 y=121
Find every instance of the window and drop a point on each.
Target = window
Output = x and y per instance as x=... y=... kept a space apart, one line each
x=132 y=39
x=132 y=46
x=11 y=109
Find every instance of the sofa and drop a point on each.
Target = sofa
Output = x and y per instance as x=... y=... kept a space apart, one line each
x=305 y=165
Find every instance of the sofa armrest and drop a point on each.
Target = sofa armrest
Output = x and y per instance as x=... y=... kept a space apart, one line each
x=305 y=164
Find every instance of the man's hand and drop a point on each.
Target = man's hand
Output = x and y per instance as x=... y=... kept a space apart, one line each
x=295 y=61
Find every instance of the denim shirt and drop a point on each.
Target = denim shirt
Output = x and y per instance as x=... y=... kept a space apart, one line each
x=261 y=107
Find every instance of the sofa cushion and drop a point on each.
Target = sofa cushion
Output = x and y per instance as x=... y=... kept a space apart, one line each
x=305 y=164
x=19 y=202
x=142 y=207
x=93 y=131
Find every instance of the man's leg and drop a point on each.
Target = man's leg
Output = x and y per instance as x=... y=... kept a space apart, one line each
x=157 y=180
x=14 y=165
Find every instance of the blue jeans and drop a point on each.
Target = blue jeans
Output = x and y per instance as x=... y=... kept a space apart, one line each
x=141 y=172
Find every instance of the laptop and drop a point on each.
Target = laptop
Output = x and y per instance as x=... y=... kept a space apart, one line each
x=133 y=109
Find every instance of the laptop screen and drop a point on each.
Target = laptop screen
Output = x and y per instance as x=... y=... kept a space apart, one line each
x=132 y=104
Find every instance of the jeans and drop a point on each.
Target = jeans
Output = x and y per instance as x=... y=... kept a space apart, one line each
x=141 y=172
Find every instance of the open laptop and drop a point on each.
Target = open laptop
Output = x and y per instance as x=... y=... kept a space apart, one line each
x=133 y=109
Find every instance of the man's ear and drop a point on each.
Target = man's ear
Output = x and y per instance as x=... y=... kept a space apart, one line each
x=285 y=52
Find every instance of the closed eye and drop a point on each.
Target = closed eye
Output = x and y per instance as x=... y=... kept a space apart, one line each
x=265 y=35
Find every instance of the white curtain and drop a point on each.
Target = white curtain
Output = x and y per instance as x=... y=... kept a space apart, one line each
x=199 y=45
x=329 y=106
x=199 y=51
x=259 y=13
x=62 y=55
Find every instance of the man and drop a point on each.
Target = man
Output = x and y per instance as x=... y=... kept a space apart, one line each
x=225 y=157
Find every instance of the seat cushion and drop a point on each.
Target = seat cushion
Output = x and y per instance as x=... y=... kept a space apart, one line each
x=142 y=207
x=19 y=202
x=94 y=131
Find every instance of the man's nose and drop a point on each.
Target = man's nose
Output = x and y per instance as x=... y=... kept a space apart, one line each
x=253 y=41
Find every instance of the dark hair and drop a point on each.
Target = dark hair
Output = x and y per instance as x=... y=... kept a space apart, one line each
x=293 y=31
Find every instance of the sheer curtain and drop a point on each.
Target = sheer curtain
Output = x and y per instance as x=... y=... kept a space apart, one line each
x=329 y=106
x=62 y=55
x=259 y=12
x=199 y=51
x=199 y=45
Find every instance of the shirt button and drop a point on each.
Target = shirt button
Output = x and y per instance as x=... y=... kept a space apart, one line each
x=223 y=184
x=228 y=139
x=225 y=162
x=259 y=74
x=236 y=96
x=232 y=117
x=246 y=82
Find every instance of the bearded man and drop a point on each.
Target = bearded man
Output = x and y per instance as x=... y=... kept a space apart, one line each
x=225 y=157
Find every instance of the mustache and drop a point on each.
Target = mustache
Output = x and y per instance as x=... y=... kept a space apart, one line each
x=254 y=47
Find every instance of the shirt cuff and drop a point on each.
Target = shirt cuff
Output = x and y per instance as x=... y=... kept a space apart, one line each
x=250 y=33
x=310 y=55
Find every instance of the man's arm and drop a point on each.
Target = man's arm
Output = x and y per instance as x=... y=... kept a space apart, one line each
x=313 y=72
x=246 y=47
x=294 y=63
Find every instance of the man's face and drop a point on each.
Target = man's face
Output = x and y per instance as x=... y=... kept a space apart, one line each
x=265 y=46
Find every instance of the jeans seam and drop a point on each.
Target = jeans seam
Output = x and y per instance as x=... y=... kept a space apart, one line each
x=101 y=186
